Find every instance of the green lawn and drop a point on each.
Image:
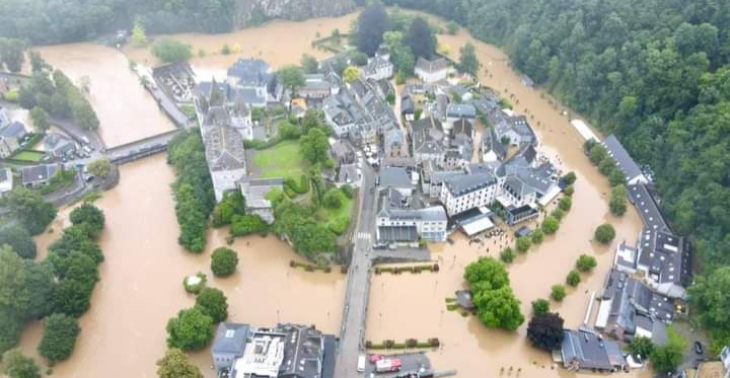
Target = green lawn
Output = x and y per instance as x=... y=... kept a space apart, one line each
x=29 y=156
x=327 y=214
x=282 y=160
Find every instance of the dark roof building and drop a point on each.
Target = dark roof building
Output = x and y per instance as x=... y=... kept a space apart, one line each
x=624 y=161
x=584 y=349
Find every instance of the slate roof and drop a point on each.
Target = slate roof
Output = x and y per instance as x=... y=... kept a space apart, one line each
x=251 y=72
x=490 y=142
x=429 y=66
x=230 y=338
x=14 y=130
x=624 y=161
x=427 y=135
x=467 y=111
x=395 y=177
x=407 y=106
x=38 y=173
x=224 y=148
x=590 y=350
x=462 y=185
x=647 y=207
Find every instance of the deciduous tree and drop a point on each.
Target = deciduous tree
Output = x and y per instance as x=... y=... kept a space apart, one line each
x=223 y=262
x=213 y=303
x=175 y=364
x=191 y=330
x=59 y=337
x=546 y=331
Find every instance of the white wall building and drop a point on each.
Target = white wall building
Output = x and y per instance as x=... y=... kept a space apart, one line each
x=432 y=71
x=462 y=193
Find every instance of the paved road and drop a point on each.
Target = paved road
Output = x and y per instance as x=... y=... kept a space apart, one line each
x=358 y=282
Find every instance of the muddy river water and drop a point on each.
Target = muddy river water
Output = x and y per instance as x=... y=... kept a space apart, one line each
x=141 y=280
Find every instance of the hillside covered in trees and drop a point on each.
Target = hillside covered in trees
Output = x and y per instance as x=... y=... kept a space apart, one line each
x=654 y=72
x=50 y=22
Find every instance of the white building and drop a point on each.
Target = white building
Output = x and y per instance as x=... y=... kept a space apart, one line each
x=399 y=223
x=432 y=71
x=378 y=68
x=6 y=181
x=462 y=193
x=725 y=359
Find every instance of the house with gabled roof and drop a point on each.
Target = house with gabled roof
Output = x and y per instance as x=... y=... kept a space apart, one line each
x=431 y=71
x=428 y=140
x=586 y=350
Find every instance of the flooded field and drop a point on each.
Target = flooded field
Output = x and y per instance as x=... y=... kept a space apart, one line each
x=141 y=282
x=126 y=111
x=278 y=42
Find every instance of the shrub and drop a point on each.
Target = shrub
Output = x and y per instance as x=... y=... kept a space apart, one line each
x=573 y=278
x=557 y=293
x=540 y=307
x=558 y=214
x=89 y=215
x=59 y=337
x=339 y=226
x=195 y=283
x=523 y=244
x=585 y=263
x=605 y=233
x=507 y=256
x=223 y=262
x=569 y=190
x=550 y=225
x=169 y=50
x=617 y=204
x=570 y=178
x=191 y=330
x=19 y=366
x=347 y=191
x=213 y=303
x=565 y=204
x=333 y=199
x=537 y=236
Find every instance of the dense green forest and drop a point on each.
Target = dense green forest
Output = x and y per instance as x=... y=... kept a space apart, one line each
x=59 y=21
x=654 y=72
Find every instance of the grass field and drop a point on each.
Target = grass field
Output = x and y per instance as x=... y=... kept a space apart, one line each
x=282 y=160
x=29 y=156
x=327 y=214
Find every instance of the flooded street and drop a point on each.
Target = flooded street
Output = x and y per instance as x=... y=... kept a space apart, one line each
x=141 y=282
x=413 y=306
x=126 y=111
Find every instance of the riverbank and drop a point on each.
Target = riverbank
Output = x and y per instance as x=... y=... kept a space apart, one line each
x=141 y=281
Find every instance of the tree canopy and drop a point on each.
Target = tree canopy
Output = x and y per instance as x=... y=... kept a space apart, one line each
x=605 y=233
x=497 y=306
x=19 y=366
x=371 y=24
x=545 y=331
x=191 y=330
x=175 y=364
x=421 y=39
x=59 y=337
x=170 y=50
x=28 y=207
x=19 y=239
x=212 y=302
x=468 y=61
x=223 y=262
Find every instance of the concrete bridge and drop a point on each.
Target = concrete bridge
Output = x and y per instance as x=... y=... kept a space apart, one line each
x=142 y=148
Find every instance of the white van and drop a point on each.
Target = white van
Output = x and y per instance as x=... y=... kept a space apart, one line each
x=361 y=363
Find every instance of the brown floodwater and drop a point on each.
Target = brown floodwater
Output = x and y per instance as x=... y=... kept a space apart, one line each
x=123 y=334
x=126 y=111
x=413 y=306
x=278 y=42
x=140 y=289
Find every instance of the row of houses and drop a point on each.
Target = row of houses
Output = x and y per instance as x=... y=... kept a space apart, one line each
x=285 y=351
x=647 y=285
x=438 y=167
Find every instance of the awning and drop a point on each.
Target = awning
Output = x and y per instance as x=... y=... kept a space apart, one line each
x=479 y=225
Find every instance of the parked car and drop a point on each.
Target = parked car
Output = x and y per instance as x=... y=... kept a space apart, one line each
x=699 y=349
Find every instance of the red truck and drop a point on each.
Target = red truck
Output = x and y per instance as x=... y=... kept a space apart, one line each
x=387 y=365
